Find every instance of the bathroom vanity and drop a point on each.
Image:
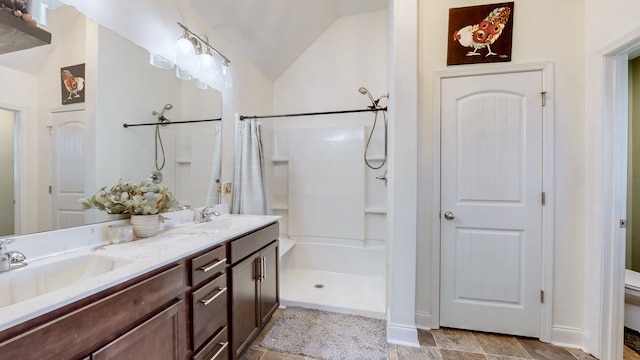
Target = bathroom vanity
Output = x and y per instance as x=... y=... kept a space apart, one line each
x=205 y=297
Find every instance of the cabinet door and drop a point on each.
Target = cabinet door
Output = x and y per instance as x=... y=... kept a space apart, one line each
x=268 y=283
x=159 y=338
x=244 y=312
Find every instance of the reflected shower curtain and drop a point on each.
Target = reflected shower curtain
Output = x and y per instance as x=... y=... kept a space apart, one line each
x=213 y=198
x=248 y=185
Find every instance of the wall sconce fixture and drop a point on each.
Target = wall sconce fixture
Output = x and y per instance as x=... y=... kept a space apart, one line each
x=194 y=60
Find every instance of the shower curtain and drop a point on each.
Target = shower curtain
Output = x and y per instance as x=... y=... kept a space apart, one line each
x=213 y=198
x=248 y=185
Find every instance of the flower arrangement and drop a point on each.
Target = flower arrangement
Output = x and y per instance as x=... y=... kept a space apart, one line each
x=145 y=198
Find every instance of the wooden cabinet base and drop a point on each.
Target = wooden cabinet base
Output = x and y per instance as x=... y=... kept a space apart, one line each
x=87 y=328
x=159 y=338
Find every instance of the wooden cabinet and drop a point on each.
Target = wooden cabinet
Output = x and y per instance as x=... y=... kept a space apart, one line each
x=216 y=349
x=180 y=311
x=268 y=284
x=254 y=282
x=159 y=338
x=244 y=314
x=209 y=304
x=77 y=330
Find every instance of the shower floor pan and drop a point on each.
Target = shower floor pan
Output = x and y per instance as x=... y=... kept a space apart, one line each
x=344 y=293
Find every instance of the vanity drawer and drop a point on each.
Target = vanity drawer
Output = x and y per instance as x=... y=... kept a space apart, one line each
x=248 y=244
x=208 y=265
x=216 y=349
x=208 y=310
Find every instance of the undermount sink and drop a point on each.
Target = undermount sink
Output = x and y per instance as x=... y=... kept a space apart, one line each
x=47 y=275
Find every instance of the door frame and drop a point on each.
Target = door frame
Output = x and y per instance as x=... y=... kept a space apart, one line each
x=608 y=172
x=20 y=170
x=546 y=283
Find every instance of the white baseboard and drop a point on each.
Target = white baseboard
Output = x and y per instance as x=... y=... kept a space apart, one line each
x=402 y=335
x=423 y=320
x=567 y=336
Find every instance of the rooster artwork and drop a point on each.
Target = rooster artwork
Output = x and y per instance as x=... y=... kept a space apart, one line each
x=478 y=37
x=72 y=84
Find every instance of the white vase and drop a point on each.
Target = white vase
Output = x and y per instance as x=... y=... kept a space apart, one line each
x=145 y=225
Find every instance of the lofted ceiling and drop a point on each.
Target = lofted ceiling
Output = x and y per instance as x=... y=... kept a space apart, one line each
x=272 y=34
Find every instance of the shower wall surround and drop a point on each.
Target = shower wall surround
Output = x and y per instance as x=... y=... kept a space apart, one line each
x=324 y=193
x=330 y=202
x=326 y=201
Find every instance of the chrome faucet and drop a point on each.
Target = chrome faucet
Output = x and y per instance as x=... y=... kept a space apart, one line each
x=206 y=213
x=10 y=259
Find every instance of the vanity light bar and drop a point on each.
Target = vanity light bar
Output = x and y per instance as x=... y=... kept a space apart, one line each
x=204 y=42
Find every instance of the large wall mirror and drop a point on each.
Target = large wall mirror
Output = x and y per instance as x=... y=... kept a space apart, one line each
x=61 y=152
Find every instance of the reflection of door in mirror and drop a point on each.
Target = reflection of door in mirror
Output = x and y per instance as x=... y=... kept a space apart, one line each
x=7 y=157
x=67 y=167
x=633 y=169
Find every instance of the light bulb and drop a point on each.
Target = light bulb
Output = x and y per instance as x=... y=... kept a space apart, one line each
x=207 y=68
x=186 y=55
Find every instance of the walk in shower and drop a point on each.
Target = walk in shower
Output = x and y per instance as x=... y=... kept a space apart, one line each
x=325 y=175
x=333 y=207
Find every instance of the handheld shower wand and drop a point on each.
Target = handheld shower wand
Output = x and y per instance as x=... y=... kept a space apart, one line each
x=363 y=90
x=163 y=121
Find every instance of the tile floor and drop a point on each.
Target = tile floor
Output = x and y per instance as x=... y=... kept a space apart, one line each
x=629 y=354
x=451 y=344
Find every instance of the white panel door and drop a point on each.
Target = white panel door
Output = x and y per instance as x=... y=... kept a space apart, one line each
x=491 y=209
x=67 y=168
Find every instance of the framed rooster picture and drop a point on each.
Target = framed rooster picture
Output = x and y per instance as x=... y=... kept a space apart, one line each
x=72 y=84
x=480 y=34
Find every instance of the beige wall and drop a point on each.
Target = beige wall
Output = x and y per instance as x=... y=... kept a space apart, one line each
x=544 y=30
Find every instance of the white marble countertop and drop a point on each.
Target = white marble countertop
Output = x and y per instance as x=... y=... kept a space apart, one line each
x=141 y=256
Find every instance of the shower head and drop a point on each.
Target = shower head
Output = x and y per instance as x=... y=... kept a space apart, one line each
x=160 y=114
x=364 y=91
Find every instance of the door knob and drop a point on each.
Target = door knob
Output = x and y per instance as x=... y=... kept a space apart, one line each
x=449 y=215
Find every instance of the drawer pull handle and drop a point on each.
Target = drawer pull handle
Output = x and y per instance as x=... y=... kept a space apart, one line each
x=224 y=346
x=209 y=300
x=207 y=268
